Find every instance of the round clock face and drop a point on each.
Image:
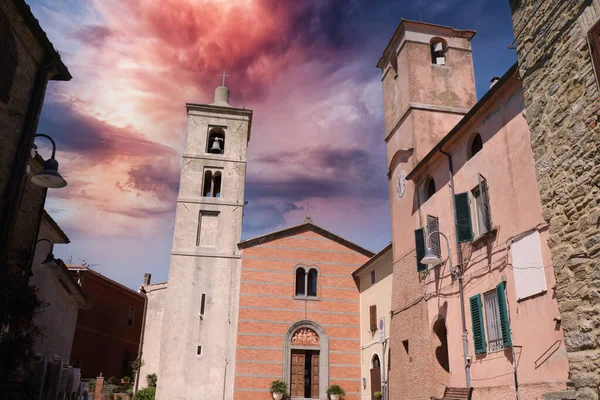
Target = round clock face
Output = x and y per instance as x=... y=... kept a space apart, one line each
x=401 y=184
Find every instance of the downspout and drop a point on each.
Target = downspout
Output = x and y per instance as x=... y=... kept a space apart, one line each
x=16 y=187
x=141 y=346
x=460 y=277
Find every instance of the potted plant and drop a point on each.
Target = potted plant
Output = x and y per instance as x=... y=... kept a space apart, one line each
x=278 y=389
x=335 y=392
x=378 y=395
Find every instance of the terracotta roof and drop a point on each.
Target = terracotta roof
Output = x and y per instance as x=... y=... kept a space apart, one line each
x=72 y=267
x=373 y=259
x=33 y=24
x=307 y=226
x=484 y=100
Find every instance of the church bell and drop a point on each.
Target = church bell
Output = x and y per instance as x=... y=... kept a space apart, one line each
x=216 y=147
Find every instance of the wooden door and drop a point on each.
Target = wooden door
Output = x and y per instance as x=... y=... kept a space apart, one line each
x=297 y=378
x=314 y=390
x=375 y=381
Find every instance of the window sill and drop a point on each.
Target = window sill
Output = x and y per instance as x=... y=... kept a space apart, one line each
x=482 y=237
x=311 y=298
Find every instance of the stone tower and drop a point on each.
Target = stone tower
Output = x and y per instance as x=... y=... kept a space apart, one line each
x=197 y=352
x=428 y=86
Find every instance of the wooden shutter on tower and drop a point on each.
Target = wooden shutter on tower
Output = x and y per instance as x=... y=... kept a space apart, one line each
x=485 y=200
x=477 y=323
x=420 y=249
x=315 y=376
x=462 y=217
x=373 y=318
x=503 y=313
x=375 y=381
x=433 y=225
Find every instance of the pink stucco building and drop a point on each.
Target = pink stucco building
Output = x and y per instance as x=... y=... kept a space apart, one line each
x=465 y=168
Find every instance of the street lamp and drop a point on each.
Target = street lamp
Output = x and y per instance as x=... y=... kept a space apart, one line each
x=50 y=261
x=49 y=177
x=432 y=259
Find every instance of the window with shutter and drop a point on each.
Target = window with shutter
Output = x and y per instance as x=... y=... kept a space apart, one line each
x=462 y=217
x=8 y=58
x=594 y=42
x=373 y=318
x=485 y=203
x=433 y=225
x=492 y=321
x=503 y=315
x=477 y=324
x=420 y=249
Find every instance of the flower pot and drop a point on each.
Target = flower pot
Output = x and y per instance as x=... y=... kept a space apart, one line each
x=277 y=396
x=334 y=396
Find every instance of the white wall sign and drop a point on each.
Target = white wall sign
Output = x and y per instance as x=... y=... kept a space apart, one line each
x=381 y=326
x=528 y=266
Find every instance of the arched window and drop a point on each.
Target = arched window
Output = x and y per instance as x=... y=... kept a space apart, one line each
x=476 y=146
x=216 y=141
x=300 y=282
x=8 y=58
x=217 y=185
x=207 y=184
x=375 y=361
x=438 y=51
x=429 y=188
x=312 y=283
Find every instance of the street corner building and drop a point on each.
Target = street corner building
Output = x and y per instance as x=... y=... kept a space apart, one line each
x=236 y=315
x=485 y=314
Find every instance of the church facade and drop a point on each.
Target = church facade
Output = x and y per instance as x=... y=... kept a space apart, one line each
x=236 y=315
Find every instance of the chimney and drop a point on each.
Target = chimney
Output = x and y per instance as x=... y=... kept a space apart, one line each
x=147 y=277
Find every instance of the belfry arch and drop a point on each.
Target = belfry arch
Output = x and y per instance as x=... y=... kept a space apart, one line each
x=307 y=338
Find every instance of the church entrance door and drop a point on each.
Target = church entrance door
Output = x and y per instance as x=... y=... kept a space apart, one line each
x=305 y=374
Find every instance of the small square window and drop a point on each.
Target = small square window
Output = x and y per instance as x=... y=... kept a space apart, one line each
x=372 y=277
x=199 y=350
x=131 y=317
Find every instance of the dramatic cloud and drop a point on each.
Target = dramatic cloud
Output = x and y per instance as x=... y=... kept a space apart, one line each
x=306 y=69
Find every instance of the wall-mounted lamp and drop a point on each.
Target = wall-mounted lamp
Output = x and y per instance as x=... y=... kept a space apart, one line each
x=431 y=258
x=49 y=177
x=50 y=261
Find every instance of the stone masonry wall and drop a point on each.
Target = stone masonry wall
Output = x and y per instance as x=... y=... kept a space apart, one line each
x=563 y=108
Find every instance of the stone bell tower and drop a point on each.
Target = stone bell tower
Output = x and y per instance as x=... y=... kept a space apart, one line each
x=197 y=352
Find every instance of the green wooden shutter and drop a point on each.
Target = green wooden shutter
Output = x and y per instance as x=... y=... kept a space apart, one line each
x=420 y=247
x=477 y=321
x=503 y=313
x=485 y=201
x=464 y=229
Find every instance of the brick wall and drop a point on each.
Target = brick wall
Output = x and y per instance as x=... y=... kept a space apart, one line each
x=561 y=96
x=268 y=309
x=412 y=373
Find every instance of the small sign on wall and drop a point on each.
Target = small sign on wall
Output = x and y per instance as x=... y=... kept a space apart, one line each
x=381 y=327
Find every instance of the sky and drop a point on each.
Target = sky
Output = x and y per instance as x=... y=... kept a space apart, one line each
x=307 y=70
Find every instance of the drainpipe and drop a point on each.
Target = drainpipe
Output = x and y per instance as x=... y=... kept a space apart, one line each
x=460 y=278
x=141 y=346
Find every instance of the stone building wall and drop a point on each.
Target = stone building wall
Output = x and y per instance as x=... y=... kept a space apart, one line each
x=562 y=100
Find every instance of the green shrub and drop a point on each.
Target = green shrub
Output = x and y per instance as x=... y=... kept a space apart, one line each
x=278 y=387
x=113 y=380
x=148 y=393
x=151 y=380
x=336 y=390
x=378 y=395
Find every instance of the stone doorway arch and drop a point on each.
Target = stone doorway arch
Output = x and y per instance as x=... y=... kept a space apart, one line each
x=308 y=344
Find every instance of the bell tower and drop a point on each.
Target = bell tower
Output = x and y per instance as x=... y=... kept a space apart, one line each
x=197 y=352
x=428 y=86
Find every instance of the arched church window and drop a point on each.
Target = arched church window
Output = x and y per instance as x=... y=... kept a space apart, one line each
x=216 y=141
x=476 y=146
x=8 y=58
x=206 y=192
x=312 y=283
x=300 y=282
x=217 y=185
x=438 y=51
